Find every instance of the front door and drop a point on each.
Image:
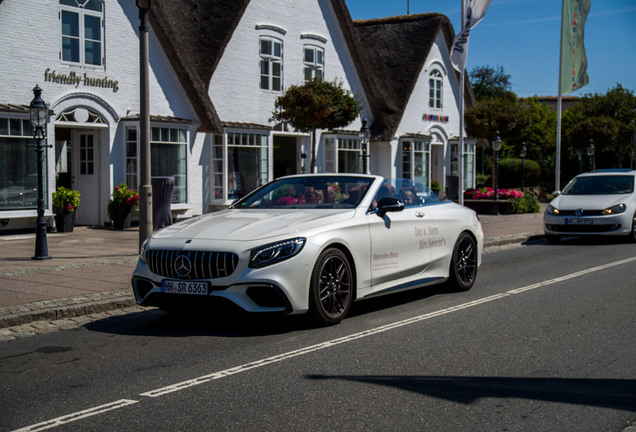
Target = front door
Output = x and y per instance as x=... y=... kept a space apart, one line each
x=85 y=155
x=285 y=156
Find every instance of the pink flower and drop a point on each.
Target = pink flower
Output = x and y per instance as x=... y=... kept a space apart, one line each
x=69 y=207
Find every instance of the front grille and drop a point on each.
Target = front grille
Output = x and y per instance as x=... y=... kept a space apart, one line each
x=583 y=228
x=584 y=213
x=203 y=264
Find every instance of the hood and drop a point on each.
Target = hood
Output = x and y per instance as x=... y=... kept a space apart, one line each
x=247 y=225
x=587 y=202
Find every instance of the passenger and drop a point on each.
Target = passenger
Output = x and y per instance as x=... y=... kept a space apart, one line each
x=407 y=197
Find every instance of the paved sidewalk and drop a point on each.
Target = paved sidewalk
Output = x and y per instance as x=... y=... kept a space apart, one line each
x=91 y=267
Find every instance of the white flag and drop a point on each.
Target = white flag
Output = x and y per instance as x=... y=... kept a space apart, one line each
x=475 y=12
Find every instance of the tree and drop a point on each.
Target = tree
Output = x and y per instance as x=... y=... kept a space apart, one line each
x=488 y=82
x=314 y=105
x=609 y=120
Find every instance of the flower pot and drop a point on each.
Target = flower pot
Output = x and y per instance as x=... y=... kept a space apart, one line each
x=64 y=221
x=122 y=218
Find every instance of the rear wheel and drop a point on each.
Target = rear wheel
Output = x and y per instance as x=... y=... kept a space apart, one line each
x=331 y=290
x=463 y=267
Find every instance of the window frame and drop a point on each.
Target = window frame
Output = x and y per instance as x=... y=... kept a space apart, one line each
x=408 y=166
x=313 y=66
x=82 y=14
x=271 y=60
x=436 y=89
x=337 y=150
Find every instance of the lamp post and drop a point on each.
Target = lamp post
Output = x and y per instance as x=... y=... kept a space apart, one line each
x=590 y=153
x=145 y=185
x=364 y=141
x=496 y=146
x=524 y=153
x=37 y=111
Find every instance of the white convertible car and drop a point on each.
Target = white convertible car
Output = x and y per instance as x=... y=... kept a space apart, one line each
x=312 y=243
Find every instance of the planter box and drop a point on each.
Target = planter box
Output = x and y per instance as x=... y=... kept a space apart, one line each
x=485 y=206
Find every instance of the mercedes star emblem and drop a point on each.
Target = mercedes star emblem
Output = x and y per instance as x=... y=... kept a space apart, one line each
x=182 y=266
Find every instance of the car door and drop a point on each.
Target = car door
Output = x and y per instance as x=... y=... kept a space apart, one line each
x=399 y=245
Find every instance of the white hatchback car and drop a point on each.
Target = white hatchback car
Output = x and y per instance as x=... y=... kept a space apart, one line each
x=601 y=202
x=312 y=243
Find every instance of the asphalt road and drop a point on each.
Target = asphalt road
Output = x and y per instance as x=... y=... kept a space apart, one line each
x=543 y=342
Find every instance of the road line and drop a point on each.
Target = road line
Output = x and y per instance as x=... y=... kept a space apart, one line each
x=77 y=416
x=291 y=354
x=306 y=350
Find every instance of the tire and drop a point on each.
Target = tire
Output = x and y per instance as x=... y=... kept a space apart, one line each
x=632 y=236
x=463 y=267
x=331 y=289
x=553 y=238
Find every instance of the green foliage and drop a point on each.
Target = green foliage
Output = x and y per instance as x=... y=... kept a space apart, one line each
x=435 y=186
x=510 y=173
x=526 y=204
x=488 y=82
x=65 y=200
x=122 y=197
x=314 y=105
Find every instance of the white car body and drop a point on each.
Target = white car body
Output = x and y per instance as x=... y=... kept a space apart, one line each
x=405 y=248
x=601 y=202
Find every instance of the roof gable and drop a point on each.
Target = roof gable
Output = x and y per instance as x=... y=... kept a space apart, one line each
x=398 y=47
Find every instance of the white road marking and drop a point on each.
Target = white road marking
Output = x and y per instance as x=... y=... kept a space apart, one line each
x=77 y=416
x=306 y=350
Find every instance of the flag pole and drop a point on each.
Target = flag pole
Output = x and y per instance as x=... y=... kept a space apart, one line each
x=557 y=181
x=460 y=167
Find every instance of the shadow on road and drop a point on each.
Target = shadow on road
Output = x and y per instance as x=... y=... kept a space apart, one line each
x=604 y=393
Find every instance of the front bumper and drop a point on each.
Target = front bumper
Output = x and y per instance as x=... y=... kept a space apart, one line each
x=594 y=225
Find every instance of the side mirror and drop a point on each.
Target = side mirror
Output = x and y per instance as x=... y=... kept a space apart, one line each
x=556 y=193
x=387 y=204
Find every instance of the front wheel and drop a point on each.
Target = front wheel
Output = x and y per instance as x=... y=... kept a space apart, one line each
x=632 y=236
x=331 y=290
x=463 y=267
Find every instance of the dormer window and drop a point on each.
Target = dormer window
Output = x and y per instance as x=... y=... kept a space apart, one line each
x=82 y=24
x=314 y=61
x=435 y=86
x=271 y=52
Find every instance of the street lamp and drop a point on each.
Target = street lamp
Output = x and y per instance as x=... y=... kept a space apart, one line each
x=590 y=153
x=38 y=114
x=496 y=146
x=524 y=153
x=364 y=136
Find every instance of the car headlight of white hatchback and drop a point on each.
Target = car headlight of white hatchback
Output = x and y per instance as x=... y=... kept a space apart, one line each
x=551 y=210
x=617 y=209
x=276 y=252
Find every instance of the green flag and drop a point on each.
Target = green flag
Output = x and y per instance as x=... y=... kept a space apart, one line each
x=573 y=58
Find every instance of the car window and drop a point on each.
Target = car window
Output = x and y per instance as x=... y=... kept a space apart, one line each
x=409 y=192
x=327 y=191
x=600 y=185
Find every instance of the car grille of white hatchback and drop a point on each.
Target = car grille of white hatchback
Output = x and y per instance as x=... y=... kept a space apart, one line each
x=181 y=264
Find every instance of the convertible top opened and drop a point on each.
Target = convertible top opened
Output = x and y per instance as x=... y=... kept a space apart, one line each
x=312 y=243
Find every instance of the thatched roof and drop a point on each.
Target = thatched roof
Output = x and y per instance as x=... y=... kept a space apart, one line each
x=395 y=50
x=195 y=33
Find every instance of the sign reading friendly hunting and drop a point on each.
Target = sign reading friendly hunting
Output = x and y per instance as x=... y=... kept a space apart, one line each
x=73 y=78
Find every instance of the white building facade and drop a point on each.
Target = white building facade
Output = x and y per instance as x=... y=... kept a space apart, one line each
x=211 y=126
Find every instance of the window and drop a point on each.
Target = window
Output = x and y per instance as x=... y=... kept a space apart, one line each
x=271 y=51
x=168 y=147
x=416 y=157
x=247 y=162
x=469 y=165
x=82 y=37
x=314 y=62
x=217 y=167
x=19 y=168
x=343 y=155
x=131 y=158
x=435 y=89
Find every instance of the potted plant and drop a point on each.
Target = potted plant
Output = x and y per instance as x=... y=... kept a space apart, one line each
x=120 y=206
x=65 y=202
x=435 y=187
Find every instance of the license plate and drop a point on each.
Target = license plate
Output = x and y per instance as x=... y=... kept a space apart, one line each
x=579 y=221
x=184 y=287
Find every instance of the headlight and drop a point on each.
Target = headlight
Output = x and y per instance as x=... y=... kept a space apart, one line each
x=551 y=210
x=276 y=252
x=142 y=251
x=617 y=209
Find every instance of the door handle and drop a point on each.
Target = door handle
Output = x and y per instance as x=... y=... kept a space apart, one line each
x=420 y=214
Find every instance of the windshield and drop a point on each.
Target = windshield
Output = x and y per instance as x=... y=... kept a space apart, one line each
x=328 y=191
x=409 y=192
x=600 y=185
